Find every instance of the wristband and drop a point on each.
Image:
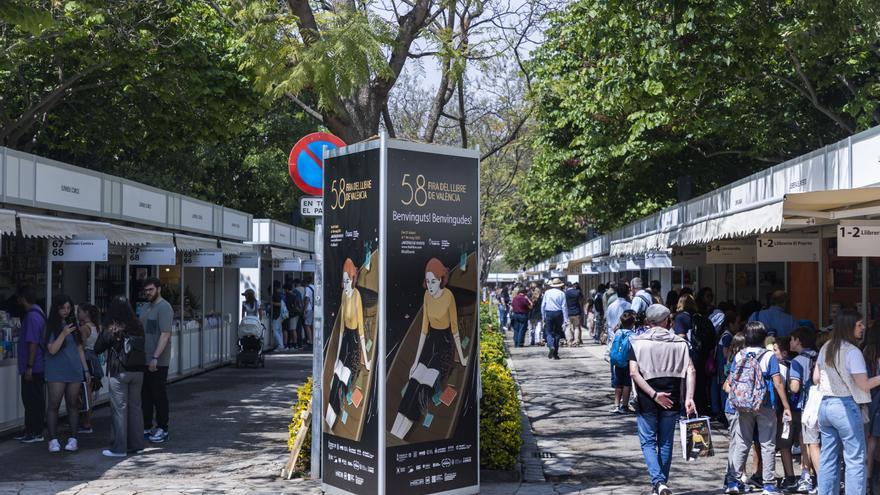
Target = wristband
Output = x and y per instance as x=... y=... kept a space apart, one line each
x=655 y=396
x=154 y=358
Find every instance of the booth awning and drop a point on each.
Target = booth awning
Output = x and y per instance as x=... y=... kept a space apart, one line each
x=833 y=205
x=7 y=222
x=282 y=254
x=65 y=228
x=190 y=243
x=235 y=248
x=130 y=236
x=759 y=220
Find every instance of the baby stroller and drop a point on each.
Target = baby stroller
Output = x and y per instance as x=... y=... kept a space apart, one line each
x=250 y=343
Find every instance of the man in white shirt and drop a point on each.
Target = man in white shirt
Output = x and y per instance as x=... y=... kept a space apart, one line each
x=554 y=311
x=616 y=309
x=641 y=297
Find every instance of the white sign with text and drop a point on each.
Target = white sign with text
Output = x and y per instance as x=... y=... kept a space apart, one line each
x=211 y=258
x=725 y=253
x=78 y=249
x=310 y=206
x=858 y=238
x=244 y=260
x=687 y=257
x=288 y=265
x=153 y=254
x=776 y=248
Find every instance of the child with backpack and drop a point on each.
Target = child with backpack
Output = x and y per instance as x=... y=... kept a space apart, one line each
x=755 y=387
x=800 y=381
x=619 y=357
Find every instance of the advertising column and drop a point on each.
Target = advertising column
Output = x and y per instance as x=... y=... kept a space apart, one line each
x=432 y=364
x=350 y=401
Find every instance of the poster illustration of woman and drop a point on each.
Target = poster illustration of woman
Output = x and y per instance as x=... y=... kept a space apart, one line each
x=439 y=342
x=351 y=349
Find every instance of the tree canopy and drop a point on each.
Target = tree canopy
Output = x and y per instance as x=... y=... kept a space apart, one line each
x=631 y=96
x=152 y=90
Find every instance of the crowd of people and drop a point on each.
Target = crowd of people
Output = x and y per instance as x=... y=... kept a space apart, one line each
x=69 y=350
x=292 y=312
x=776 y=384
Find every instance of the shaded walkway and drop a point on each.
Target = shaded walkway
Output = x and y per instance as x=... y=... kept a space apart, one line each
x=228 y=433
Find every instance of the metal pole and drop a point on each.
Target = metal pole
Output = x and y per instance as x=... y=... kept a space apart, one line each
x=92 y=283
x=318 y=349
x=865 y=310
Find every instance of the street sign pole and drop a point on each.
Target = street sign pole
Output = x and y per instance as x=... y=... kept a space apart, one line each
x=318 y=349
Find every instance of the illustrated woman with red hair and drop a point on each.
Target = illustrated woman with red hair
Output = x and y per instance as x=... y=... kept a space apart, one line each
x=348 y=356
x=434 y=357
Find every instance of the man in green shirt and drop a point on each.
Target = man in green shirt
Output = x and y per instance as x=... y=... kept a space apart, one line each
x=156 y=319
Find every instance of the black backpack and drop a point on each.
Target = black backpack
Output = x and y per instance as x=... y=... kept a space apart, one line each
x=295 y=303
x=702 y=335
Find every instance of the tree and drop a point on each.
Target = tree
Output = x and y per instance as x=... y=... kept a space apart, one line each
x=149 y=90
x=348 y=56
x=631 y=96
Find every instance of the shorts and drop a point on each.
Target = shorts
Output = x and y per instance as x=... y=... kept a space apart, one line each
x=794 y=429
x=810 y=435
x=620 y=377
x=308 y=319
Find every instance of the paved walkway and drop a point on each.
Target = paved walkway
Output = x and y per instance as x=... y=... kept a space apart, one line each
x=229 y=436
x=585 y=449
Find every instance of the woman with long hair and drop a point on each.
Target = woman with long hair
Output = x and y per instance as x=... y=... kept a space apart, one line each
x=349 y=351
x=123 y=340
x=843 y=380
x=88 y=318
x=66 y=369
x=438 y=340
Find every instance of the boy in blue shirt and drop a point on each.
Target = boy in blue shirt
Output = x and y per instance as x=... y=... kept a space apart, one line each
x=742 y=436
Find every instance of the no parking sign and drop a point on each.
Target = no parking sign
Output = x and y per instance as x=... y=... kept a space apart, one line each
x=306 y=164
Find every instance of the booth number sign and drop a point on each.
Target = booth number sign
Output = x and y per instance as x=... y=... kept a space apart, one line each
x=78 y=250
x=858 y=238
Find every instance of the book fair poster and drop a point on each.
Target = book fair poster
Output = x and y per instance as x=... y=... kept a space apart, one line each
x=350 y=414
x=431 y=358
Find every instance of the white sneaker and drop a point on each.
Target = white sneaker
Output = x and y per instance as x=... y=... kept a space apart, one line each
x=72 y=445
x=54 y=445
x=662 y=489
x=110 y=453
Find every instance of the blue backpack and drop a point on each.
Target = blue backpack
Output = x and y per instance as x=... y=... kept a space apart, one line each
x=620 y=347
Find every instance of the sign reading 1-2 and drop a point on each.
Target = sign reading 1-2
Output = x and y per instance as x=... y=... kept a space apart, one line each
x=858 y=238
x=780 y=248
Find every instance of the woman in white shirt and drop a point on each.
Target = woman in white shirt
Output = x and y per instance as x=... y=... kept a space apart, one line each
x=842 y=378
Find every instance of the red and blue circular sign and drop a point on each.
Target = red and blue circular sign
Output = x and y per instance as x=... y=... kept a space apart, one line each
x=306 y=164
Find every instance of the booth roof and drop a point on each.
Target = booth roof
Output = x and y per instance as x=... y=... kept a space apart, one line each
x=65 y=228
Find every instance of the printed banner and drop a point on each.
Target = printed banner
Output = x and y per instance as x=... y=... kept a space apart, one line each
x=431 y=405
x=349 y=408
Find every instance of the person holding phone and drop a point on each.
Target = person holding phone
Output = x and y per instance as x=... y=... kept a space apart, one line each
x=66 y=369
x=123 y=341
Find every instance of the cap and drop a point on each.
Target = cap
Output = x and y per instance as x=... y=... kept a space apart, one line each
x=248 y=291
x=656 y=313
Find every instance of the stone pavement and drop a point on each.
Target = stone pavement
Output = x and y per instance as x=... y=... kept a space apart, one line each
x=229 y=436
x=585 y=449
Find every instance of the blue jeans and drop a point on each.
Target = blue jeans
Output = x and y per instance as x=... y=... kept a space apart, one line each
x=840 y=423
x=656 y=434
x=502 y=318
x=553 y=329
x=715 y=394
x=520 y=323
